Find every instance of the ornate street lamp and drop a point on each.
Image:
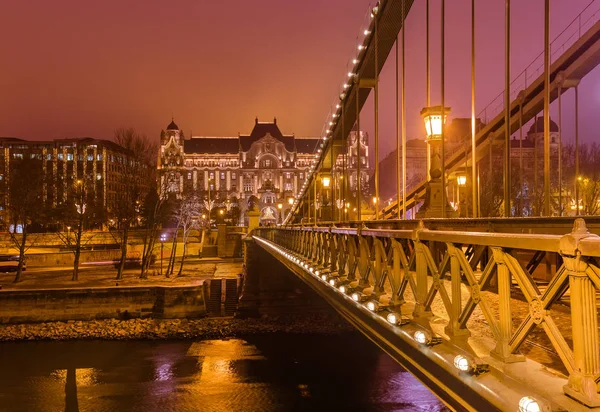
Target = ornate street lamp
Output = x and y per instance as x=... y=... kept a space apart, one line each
x=432 y=206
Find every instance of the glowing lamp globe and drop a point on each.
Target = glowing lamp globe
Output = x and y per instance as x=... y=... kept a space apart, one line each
x=432 y=117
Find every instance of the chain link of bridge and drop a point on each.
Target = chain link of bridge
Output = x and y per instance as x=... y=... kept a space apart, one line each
x=465 y=311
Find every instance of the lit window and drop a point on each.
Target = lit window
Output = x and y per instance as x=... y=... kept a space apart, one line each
x=98 y=157
x=98 y=176
x=189 y=175
x=301 y=175
x=233 y=176
x=18 y=155
x=268 y=163
x=48 y=157
x=288 y=175
x=211 y=175
x=90 y=157
x=222 y=175
x=212 y=187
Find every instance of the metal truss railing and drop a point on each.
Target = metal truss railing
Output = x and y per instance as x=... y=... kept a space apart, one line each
x=388 y=270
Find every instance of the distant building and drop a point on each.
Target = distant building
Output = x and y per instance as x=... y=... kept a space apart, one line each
x=458 y=134
x=265 y=167
x=64 y=161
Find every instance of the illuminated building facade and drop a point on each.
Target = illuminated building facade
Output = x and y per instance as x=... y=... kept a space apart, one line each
x=63 y=162
x=265 y=167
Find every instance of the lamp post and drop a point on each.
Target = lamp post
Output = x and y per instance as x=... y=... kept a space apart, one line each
x=280 y=208
x=461 y=181
x=163 y=238
x=432 y=205
x=326 y=183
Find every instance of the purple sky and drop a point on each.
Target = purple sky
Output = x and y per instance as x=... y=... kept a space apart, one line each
x=76 y=68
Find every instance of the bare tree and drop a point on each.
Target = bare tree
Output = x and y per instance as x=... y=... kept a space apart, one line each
x=78 y=212
x=187 y=215
x=154 y=212
x=25 y=183
x=134 y=168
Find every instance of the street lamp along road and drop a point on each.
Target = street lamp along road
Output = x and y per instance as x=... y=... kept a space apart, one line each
x=163 y=238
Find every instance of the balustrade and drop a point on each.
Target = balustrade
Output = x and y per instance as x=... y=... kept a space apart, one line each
x=389 y=270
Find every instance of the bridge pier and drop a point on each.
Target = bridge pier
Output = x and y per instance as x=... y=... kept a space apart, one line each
x=269 y=288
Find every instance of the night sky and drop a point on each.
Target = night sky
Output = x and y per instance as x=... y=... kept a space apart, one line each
x=74 y=68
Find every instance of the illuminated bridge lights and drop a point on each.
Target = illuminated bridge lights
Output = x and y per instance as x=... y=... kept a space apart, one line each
x=395 y=318
x=467 y=365
x=529 y=404
x=372 y=305
x=359 y=296
x=425 y=338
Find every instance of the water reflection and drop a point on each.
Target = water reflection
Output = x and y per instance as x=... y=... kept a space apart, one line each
x=267 y=373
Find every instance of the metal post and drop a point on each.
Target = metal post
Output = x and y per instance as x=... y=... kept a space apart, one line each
x=427 y=80
x=442 y=86
x=547 y=107
x=398 y=146
x=576 y=150
x=162 y=244
x=559 y=151
x=358 y=179
x=344 y=160
x=473 y=119
x=507 y=179
x=453 y=328
x=333 y=184
x=376 y=115
x=502 y=349
x=535 y=168
x=315 y=195
x=521 y=156
x=404 y=154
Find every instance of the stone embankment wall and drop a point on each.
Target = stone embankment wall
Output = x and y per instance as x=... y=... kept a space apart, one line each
x=205 y=328
x=101 y=303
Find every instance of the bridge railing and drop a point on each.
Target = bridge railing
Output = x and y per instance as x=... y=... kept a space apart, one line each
x=470 y=280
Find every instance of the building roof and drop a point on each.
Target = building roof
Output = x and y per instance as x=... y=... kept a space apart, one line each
x=527 y=143
x=261 y=130
x=211 y=145
x=306 y=145
x=172 y=125
x=538 y=126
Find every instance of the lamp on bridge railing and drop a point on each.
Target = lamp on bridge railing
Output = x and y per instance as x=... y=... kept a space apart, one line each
x=435 y=120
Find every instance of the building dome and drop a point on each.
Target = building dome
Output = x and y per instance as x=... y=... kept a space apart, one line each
x=538 y=126
x=172 y=126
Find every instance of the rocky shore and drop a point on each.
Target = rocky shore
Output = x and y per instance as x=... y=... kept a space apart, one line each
x=205 y=328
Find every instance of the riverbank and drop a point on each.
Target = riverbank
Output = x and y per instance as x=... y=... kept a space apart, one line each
x=158 y=329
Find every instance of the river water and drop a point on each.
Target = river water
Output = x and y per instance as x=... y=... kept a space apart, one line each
x=267 y=373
